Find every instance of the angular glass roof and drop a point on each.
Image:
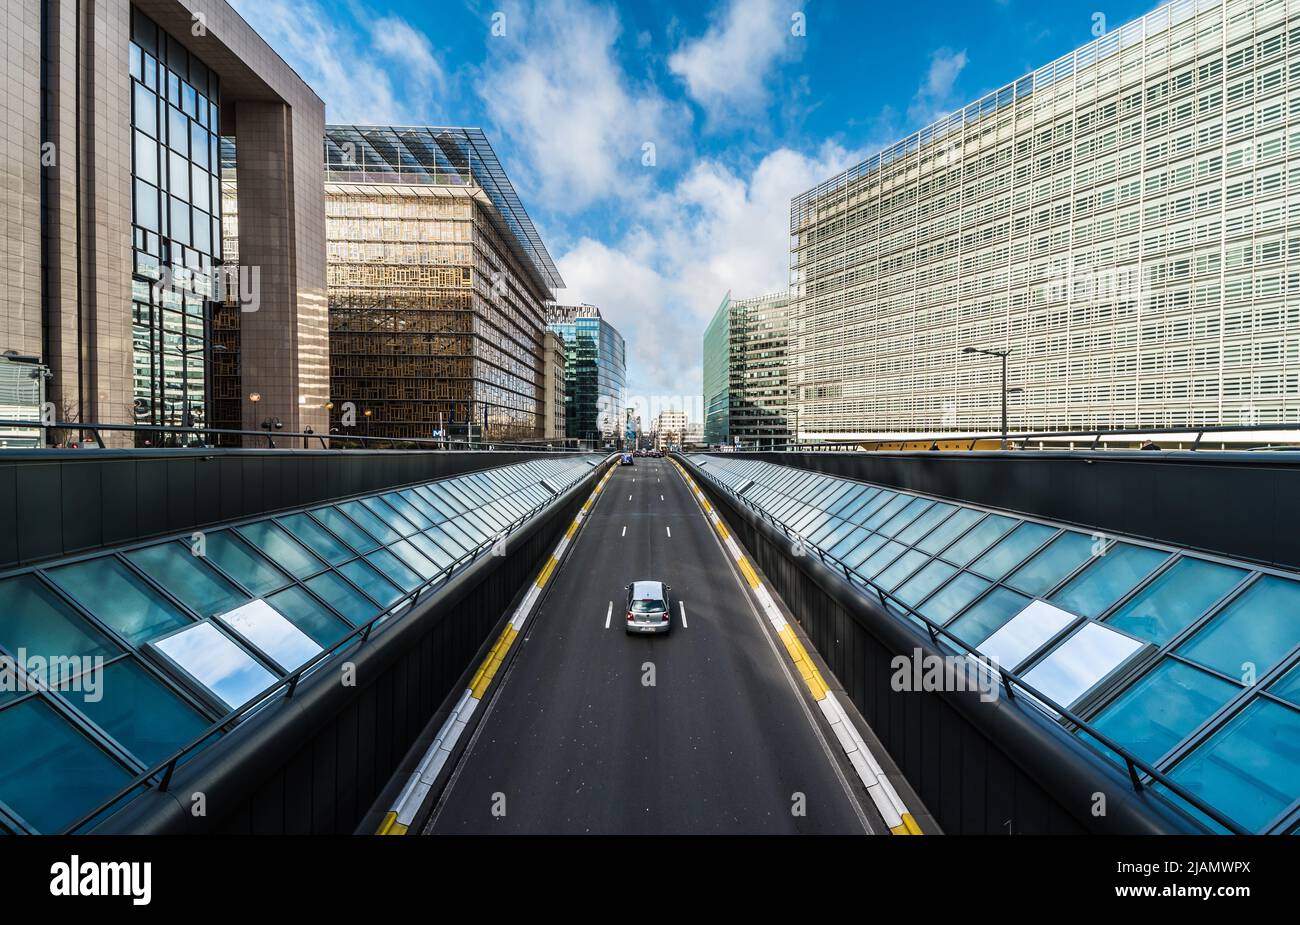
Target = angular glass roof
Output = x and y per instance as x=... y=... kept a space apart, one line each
x=111 y=662
x=437 y=155
x=1190 y=662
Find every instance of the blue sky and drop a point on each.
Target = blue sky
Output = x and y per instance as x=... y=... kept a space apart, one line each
x=742 y=114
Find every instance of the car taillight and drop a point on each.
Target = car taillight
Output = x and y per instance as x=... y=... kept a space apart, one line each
x=629 y=616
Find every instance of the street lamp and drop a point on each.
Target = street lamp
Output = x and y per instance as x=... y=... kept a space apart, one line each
x=1002 y=355
x=368 y=413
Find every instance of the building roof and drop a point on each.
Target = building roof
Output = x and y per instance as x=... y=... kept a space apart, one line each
x=435 y=155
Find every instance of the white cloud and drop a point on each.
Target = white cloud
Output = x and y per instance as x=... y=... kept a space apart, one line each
x=352 y=71
x=726 y=69
x=578 y=124
x=934 y=98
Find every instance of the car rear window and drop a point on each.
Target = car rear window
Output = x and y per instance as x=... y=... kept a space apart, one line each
x=646 y=605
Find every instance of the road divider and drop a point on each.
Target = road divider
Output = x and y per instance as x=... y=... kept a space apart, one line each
x=401 y=815
x=883 y=793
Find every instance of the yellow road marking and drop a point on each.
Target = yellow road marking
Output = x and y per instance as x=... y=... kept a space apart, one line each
x=748 y=571
x=390 y=825
x=551 y=563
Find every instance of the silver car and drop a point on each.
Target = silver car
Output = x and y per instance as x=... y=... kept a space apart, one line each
x=648 y=607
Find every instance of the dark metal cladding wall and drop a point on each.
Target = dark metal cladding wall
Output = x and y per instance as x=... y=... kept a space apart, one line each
x=1244 y=505
x=62 y=502
x=318 y=770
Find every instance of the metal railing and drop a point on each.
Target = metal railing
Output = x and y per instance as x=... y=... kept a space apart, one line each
x=1043 y=439
x=326 y=441
x=1010 y=680
x=164 y=769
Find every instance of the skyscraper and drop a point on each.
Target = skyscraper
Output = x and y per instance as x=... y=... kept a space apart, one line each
x=1121 y=220
x=746 y=371
x=595 y=372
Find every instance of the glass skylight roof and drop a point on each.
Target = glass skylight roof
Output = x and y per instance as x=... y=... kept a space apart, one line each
x=190 y=628
x=1190 y=662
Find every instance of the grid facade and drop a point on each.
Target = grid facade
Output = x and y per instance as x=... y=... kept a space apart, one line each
x=747 y=370
x=1122 y=220
x=595 y=372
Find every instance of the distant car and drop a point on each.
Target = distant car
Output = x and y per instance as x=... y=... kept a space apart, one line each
x=626 y=460
x=648 y=608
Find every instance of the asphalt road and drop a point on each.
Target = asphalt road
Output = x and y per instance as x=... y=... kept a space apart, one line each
x=576 y=740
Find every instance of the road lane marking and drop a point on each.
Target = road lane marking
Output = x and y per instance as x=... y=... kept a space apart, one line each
x=682 y=605
x=629 y=497
x=624 y=533
x=882 y=792
x=608 y=614
x=670 y=532
x=401 y=815
x=661 y=497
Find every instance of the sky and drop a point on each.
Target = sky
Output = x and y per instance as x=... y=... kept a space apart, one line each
x=656 y=144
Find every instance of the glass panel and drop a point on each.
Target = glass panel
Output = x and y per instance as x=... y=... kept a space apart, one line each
x=1012 y=550
x=1022 y=632
x=981 y=625
x=1249 y=769
x=310 y=616
x=440 y=557
x=1170 y=604
x=903 y=566
x=980 y=538
x=32 y=617
x=412 y=557
x=372 y=524
x=110 y=591
x=470 y=525
x=141 y=713
x=943 y=534
x=880 y=558
x=1044 y=571
x=926 y=522
x=281 y=548
x=924 y=581
x=1162 y=707
x=272 y=634
x=52 y=774
x=861 y=553
x=345 y=528
x=316 y=538
x=391 y=566
x=212 y=658
x=1253 y=632
x=953 y=596
x=1075 y=666
x=905 y=517
x=378 y=588
x=896 y=504
x=408 y=510
x=1108 y=578
x=846 y=545
x=238 y=560
x=188 y=578
x=344 y=598
x=416 y=500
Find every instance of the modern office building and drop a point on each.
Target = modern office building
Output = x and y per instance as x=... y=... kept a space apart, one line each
x=113 y=225
x=670 y=429
x=553 y=392
x=595 y=372
x=746 y=371
x=1122 y=220
x=437 y=280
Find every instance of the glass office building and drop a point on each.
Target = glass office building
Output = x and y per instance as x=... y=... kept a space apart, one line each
x=595 y=372
x=176 y=225
x=746 y=370
x=437 y=281
x=1120 y=219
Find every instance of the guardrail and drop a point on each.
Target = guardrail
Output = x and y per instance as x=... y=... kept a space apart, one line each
x=1010 y=680
x=308 y=437
x=164 y=769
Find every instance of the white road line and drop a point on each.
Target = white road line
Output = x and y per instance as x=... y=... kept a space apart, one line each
x=682 y=605
x=629 y=497
x=624 y=530
x=661 y=497
x=609 y=613
x=670 y=532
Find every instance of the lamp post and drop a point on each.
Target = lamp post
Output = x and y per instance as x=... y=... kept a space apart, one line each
x=1002 y=355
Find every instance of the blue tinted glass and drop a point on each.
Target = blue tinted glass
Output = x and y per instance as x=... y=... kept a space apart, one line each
x=1012 y=550
x=408 y=510
x=389 y=515
x=447 y=541
x=953 y=596
x=141 y=713
x=979 y=538
x=34 y=618
x=416 y=500
x=862 y=552
x=1154 y=715
x=1044 y=571
x=926 y=522
x=391 y=566
x=316 y=538
x=943 y=534
x=988 y=616
x=923 y=582
x=52 y=775
x=414 y=559
x=471 y=525
x=1108 y=578
x=341 y=526
x=238 y=560
x=372 y=524
x=877 y=561
x=344 y=598
x=109 y=590
x=903 y=566
x=188 y=578
x=896 y=504
x=848 y=543
x=1288 y=686
x=1183 y=592
x=832 y=525
x=1250 y=769
x=439 y=556
x=281 y=548
x=306 y=613
x=905 y=517
x=363 y=575
x=846 y=501
x=1253 y=632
